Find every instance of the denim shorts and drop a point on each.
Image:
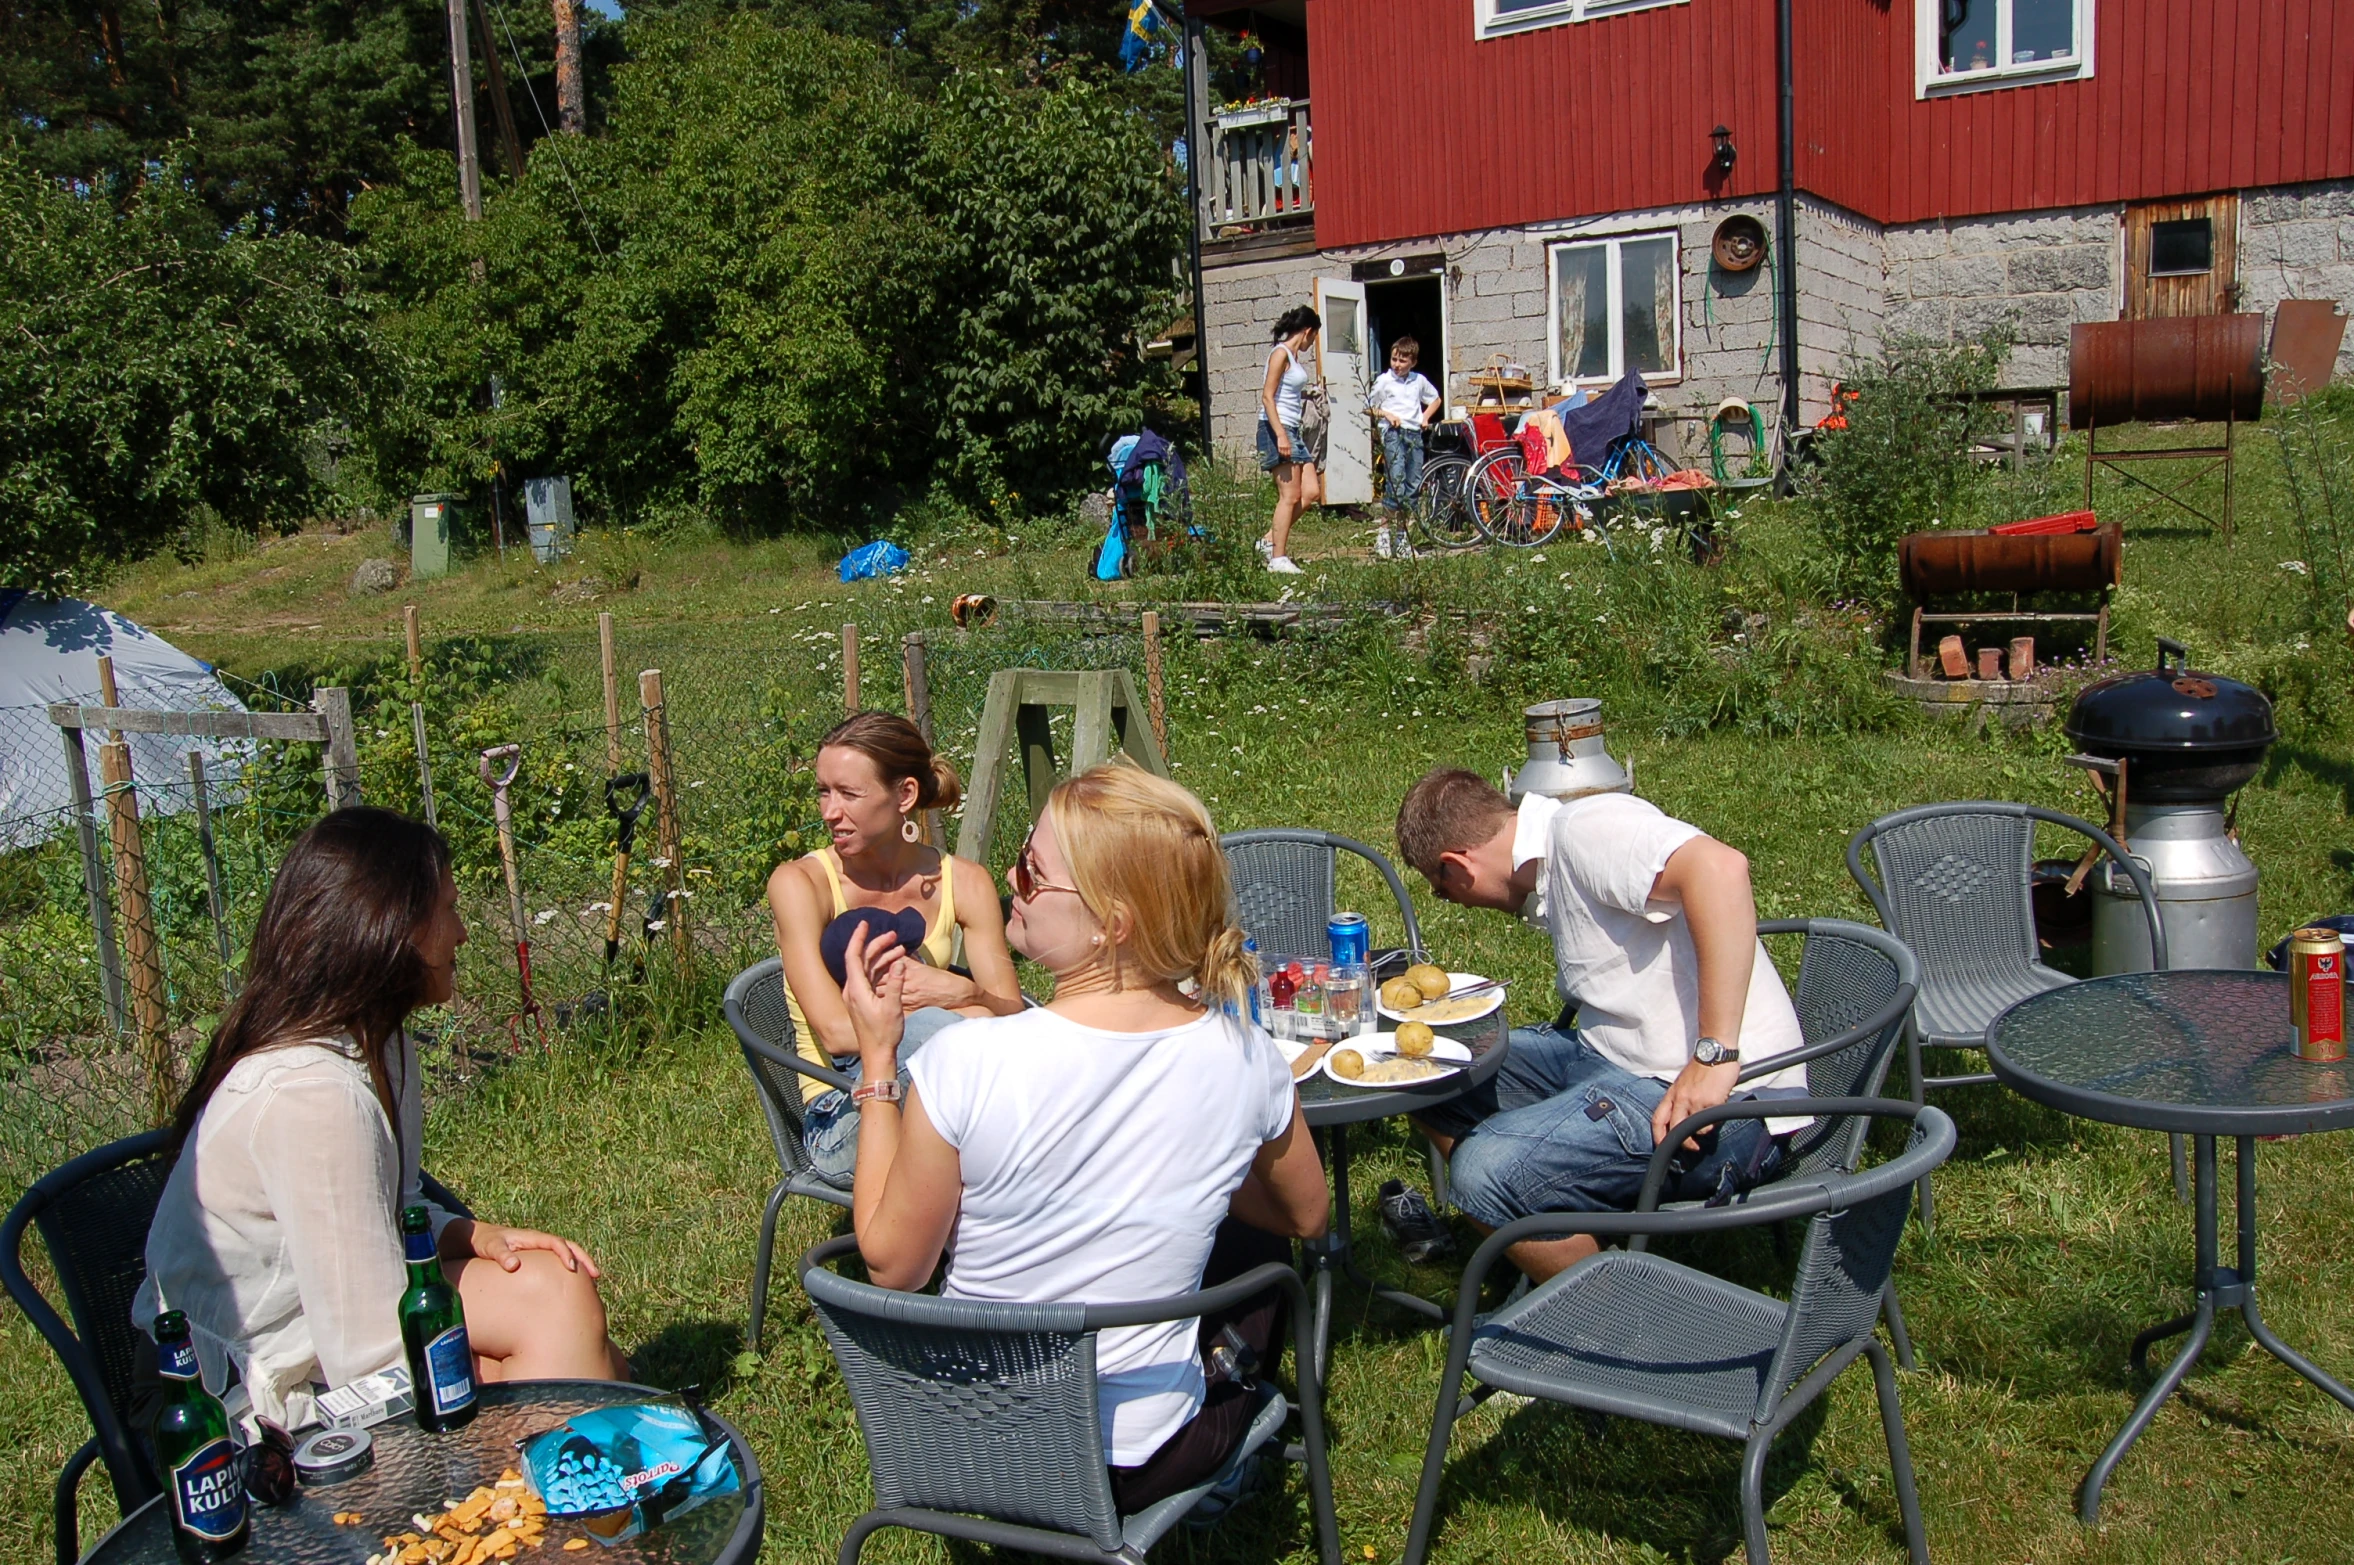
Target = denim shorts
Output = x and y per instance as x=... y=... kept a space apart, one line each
x=1561 y=1129
x=829 y=1124
x=1269 y=457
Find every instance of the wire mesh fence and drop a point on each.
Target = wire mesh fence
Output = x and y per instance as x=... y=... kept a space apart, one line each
x=745 y=703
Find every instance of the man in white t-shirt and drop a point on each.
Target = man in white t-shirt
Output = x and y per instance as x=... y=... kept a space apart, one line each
x=1406 y=403
x=1655 y=944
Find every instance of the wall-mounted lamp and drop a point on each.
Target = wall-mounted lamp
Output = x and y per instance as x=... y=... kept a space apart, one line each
x=1726 y=153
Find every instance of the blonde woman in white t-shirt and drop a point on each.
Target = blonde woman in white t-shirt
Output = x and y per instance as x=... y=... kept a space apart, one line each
x=1130 y=1140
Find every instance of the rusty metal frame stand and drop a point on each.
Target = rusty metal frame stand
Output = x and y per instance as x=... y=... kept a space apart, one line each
x=2213 y=456
x=2099 y=622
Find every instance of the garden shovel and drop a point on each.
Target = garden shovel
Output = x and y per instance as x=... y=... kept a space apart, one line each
x=498 y=782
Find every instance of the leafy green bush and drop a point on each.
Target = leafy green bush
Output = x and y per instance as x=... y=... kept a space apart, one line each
x=1903 y=462
x=787 y=288
x=156 y=370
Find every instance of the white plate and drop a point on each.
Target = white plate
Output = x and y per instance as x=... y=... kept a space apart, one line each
x=1487 y=1003
x=1445 y=1053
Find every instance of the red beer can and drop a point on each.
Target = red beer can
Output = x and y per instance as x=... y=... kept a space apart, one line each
x=2317 y=994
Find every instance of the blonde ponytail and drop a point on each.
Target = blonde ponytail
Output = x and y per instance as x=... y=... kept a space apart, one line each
x=1227 y=973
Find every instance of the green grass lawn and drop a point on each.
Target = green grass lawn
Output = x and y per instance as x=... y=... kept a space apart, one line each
x=2056 y=1241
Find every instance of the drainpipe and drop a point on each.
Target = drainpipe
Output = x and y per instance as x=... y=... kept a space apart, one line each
x=1196 y=96
x=1786 y=230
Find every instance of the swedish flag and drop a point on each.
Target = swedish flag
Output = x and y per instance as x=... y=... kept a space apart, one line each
x=1136 y=44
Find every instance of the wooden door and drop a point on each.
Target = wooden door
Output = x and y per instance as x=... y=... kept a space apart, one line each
x=1346 y=364
x=2181 y=257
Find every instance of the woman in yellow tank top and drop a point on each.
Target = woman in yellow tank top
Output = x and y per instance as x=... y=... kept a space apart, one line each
x=875 y=774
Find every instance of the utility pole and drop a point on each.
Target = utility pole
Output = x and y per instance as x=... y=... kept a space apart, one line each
x=462 y=111
x=1786 y=230
x=1197 y=107
x=571 y=95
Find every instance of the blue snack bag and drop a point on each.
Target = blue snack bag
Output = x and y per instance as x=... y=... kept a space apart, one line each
x=623 y=1470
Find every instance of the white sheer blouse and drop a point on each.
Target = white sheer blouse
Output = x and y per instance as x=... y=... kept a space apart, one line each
x=279 y=1228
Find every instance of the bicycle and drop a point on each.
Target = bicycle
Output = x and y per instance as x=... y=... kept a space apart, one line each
x=1522 y=510
x=1441 y=518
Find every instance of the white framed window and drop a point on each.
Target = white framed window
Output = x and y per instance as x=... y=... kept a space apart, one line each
x=1501 y=18
x=1970 y=45
x=1616 y=308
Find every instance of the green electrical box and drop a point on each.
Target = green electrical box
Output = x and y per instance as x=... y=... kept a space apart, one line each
x=432 y=519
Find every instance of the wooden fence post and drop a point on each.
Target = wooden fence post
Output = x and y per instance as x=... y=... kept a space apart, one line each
x=110 y=962
x=342 y=761
x=612 y=696
x=666 y=811
x=131 y=891
x=1152 y=679
x=850 y=668
x=417 y=737
x=919 y=711
x=212 y=873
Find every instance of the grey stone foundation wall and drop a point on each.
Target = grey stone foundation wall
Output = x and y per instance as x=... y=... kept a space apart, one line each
x=2040 y=271
x=2297 y=242
x=1859 y=287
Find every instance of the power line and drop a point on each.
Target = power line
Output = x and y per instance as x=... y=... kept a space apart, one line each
x=555 y=150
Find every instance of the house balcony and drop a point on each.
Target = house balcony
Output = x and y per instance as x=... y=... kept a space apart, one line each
x=1258 y=176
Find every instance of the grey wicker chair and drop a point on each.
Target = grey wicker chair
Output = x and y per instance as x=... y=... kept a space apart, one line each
x=981 y=1420
x=1855 y=988
x=755 y=1007
x=1954 y=883
x=1283 y=881
x=1627 y=1333
x=93 y=1215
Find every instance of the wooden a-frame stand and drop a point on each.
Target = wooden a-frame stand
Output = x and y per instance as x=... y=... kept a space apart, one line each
x=1110 y=716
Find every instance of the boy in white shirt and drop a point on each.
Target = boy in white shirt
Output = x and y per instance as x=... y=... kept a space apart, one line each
x=1406 y=403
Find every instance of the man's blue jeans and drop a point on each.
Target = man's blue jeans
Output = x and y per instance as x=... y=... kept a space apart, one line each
x=1561 y=1129
x=1402 y=449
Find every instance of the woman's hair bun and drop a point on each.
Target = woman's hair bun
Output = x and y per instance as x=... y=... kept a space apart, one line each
x=947 y=789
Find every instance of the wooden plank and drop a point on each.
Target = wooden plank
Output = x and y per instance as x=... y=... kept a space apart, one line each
x=110 y=965
x=988 y=773
x=1034 y=732
x=1048 y=687
x=1136 y=735
x=1091 y=727
x=341 y=763
x=657 y=718
x=201 y=725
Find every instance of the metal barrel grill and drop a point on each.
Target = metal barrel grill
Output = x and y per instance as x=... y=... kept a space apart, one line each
x=2174 y=745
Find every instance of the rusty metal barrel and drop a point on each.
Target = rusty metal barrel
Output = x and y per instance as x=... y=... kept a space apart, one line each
x=2205 y=367
x=1970 y=561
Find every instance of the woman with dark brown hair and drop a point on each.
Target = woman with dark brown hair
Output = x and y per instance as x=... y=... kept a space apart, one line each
x=278 y=1230
x=875 y=776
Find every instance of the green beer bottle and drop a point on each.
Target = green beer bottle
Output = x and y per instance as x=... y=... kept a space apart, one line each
x=202 y=1470
x=433 y=1329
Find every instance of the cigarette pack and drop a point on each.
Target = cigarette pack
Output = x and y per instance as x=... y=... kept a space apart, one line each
x=369 y=1400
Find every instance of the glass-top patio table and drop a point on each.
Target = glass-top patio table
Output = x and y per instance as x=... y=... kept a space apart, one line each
x=416 y=1472
x=1333 y=1108
x=2202 y=1053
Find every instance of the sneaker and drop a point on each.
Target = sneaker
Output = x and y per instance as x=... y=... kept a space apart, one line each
x=1281 y=565
x=1266 y=548
x=1381 y=543
x=1411 y=1224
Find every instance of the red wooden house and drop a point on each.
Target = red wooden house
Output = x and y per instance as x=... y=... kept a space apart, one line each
x=1540 y=180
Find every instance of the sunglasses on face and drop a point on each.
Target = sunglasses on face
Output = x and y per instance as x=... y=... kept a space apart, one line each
x=1028 y=880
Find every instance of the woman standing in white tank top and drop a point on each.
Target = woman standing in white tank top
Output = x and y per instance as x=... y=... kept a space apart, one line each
x=1281 y=450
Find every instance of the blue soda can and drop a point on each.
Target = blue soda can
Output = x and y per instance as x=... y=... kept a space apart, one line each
x=1350 y=935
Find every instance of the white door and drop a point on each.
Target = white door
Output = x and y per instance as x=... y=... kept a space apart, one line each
x=1348 y=381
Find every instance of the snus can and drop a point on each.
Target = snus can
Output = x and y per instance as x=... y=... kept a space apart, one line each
x=2317 y=994
x=451 y=1362
x=1350 y=935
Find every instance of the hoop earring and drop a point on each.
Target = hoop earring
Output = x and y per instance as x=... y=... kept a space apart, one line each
x=908 y=830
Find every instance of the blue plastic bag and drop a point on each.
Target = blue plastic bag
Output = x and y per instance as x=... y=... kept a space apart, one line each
x=629 y=1468
x=1111 y=560
x=880 y=558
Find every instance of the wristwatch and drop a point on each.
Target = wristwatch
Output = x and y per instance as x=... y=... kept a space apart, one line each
x=884 y=1091
x=1708 y=1051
